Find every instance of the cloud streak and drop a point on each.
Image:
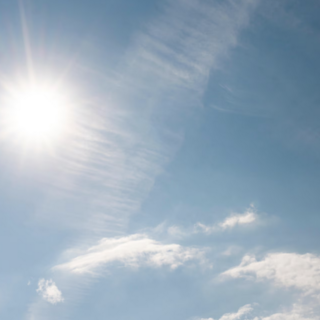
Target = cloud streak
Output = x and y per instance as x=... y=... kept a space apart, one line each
x=249 y=217
x=132 y=251
x=118 y=150
x=234 y=220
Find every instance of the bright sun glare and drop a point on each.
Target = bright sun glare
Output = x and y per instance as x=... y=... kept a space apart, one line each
x=36 y=113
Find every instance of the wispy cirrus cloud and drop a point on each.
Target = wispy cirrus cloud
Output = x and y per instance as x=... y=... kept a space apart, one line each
x=131 y=126
x=193 y=36
x=112 y=161
x=132 y=251
x=249 y=217
x=49 y=291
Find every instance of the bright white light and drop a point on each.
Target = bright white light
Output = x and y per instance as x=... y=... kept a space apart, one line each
x=36 y=113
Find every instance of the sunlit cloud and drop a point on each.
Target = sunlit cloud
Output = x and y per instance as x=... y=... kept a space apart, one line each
x=289 y=270
x=246 y=218
x=240 y=219
x=239 y=314
x=49 y=291
x=286 y=270
x=296 y=312
x=132 y=251
x=249 y=217
x=243 y=311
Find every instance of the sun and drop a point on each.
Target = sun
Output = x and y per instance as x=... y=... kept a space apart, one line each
x=35 y=113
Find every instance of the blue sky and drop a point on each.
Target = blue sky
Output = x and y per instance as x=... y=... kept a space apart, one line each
x=183 y=183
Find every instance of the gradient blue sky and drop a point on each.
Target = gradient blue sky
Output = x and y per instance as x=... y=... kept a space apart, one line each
x=187 y=186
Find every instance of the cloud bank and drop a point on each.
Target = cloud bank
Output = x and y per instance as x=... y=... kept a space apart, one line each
x=286 y=270
x=290 y=270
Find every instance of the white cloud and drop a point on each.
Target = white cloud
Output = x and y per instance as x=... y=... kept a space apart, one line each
x=301 y=271
x=297 y=312
x=49 y=291
x=238 y=219
x=287 y=270
x=238 y=315
x=132 y=251
x=291 y=315
x=248 y=217
x=235 y=316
